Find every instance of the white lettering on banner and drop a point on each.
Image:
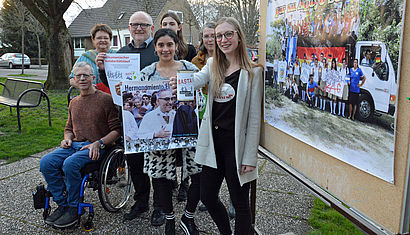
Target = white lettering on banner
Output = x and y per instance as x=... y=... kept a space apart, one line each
x=227 y=94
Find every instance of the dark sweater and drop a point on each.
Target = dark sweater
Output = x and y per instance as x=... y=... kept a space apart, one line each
x=147 y=57
x=191 y=53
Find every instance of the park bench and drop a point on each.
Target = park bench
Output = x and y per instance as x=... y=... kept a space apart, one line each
x=18 y=93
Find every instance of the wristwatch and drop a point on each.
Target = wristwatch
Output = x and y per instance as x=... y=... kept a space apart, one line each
x=102 y=145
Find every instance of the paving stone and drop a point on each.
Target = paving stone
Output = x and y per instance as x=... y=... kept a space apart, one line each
x=18 y=167
x=277 y=213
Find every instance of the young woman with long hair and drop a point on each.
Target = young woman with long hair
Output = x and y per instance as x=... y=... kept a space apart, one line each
x=184 y=51
x=161 y=165
x=229 y=133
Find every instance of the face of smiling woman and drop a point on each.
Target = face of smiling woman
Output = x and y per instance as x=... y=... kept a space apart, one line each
x=165 y=48
x=227 y=38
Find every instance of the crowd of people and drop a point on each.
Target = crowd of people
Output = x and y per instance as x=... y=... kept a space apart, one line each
x=228 y=137
x=320 y=74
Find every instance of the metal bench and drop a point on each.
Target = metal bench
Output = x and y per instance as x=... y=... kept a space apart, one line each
x=18 y=93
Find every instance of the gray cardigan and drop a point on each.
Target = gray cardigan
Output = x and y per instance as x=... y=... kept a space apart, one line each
x=247 y=121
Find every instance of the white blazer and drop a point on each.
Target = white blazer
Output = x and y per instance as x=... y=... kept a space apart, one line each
x=247 y=121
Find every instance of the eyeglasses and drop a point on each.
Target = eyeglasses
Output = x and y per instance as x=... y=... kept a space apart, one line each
x=86 y=76
x=207 y=37
x=142 y=25
x=167 y=99
x=228 y=35
x=102 y=38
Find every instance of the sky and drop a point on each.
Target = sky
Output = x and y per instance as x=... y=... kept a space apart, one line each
x=76 y=7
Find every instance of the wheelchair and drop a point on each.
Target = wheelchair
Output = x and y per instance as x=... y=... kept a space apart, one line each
x=110 y=176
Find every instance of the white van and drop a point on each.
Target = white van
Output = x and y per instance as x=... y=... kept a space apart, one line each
x=378 y=93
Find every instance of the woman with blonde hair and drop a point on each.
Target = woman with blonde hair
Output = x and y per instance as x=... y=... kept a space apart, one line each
x=229 y=133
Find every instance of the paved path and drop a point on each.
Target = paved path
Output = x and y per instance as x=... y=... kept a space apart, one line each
x=283 y=206
x=41 y=74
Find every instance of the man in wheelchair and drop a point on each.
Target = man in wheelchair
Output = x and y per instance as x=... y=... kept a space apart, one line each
x=92 y=124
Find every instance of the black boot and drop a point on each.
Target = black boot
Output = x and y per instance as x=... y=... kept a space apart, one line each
x=188 y=226
x=170 y=227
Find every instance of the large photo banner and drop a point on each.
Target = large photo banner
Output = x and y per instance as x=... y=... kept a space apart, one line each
x=153 y=119
x=336 y=84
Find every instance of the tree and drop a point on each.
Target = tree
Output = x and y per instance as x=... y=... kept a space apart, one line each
x=381 y=20
x=59 y=44
x=37 y=29
x=14 y=19
x=245 y=11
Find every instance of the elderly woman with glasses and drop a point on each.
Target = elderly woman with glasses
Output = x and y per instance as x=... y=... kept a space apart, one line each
x=101 y=36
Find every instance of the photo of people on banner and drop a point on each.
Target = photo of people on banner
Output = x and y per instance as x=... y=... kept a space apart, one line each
x=153 y=119
x=331 y=77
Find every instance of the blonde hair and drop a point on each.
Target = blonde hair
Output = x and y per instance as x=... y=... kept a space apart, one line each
x=220 y=63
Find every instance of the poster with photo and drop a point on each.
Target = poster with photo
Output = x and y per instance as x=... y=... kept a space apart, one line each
x=119 y=68
x=349 y=49
x=154 y=120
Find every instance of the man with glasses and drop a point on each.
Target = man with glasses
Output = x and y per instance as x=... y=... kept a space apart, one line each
x=140 y=27
x=92 y=124
x=159 y=122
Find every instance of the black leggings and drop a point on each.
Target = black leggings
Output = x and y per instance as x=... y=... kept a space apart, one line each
x=165 y=194
x=211 y=181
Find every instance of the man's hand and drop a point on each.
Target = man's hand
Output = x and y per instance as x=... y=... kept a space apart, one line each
x=246 y=169
x=99 y=60
x=74 y=83
x=173 y=84
x=94 y=150
x=118 y=88
x=66 y=143
x=162 y=133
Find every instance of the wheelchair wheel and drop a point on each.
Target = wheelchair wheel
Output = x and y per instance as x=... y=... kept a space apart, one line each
x=114 y=181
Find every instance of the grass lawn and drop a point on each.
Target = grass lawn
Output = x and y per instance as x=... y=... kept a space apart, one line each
x=326 y=220
x=36 y=135
x=23 y=75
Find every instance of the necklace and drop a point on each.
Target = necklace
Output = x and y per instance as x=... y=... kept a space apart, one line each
x=167 y=72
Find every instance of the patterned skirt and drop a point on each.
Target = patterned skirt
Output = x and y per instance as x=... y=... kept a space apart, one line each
x=162 y=164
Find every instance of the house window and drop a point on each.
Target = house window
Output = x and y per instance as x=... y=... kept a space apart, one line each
x=79 y=43
x=179 y=14
x=127 y=40
x=115 y=40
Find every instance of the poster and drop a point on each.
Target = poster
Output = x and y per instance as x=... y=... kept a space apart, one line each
x=154 y=120
x=327 y=37
x=185 y=85
x=119 y=68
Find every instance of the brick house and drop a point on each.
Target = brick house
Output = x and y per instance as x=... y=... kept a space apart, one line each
x=116 y=14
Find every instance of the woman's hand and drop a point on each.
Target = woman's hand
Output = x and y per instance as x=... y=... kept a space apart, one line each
x=173 y=84
x=99 y=60
x=246 y=169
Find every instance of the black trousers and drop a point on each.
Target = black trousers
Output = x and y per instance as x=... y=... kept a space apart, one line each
x=141 y=181
x=165 y=193
x=211 y=181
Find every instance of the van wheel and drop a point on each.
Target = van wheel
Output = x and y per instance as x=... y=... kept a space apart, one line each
x=11 y=66
x=366 y=108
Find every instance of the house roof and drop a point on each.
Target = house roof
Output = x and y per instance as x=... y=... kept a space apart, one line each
x=109 y=13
